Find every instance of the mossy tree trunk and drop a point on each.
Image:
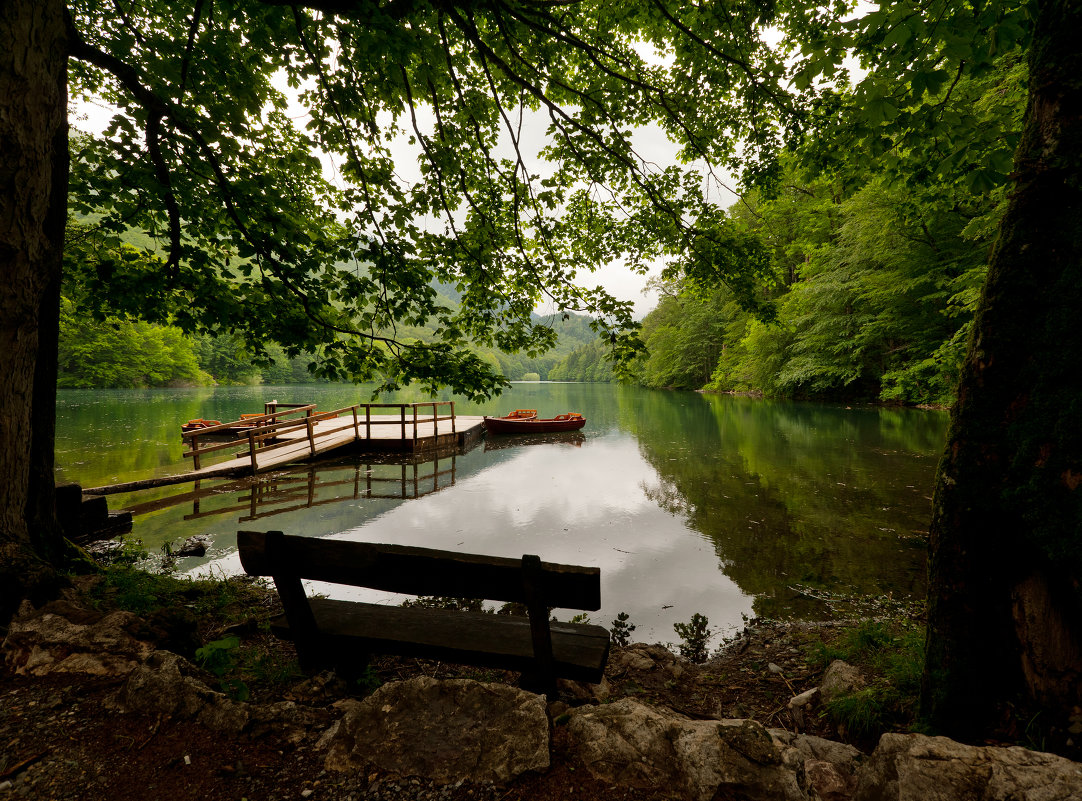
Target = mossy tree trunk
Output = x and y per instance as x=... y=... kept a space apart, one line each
x=1005 y=599
x=33 y=193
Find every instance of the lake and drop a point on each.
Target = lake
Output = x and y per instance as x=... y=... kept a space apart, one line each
x=725 y=506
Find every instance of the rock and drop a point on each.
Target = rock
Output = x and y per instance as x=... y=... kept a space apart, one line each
x=579 y=692
x=827 y=782
x=805 y=698
x=62 y=637
x=913 y=767
x=774 y=668
x=285 y=719
x=327 y=738
x=317 y=688
x=166 y=684
x=845 y=757
x=840 y=679
x=174 y=629
x=194 y=546
x=829 y=768
x=642 y=658
x=445 y=730
x=556 y=709
x=633 y=745
x=633 y=657
x=104 y=550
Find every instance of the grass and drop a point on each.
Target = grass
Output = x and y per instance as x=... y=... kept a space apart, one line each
x=891 y=655
x=224 y=599
x=220 y=623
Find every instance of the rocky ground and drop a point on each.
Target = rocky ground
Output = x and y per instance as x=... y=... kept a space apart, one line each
x=111 y=716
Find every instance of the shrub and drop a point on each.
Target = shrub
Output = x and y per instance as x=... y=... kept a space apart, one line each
x=695 y=637
x=620 y=632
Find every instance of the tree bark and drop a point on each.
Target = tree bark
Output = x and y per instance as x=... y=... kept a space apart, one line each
x=33 y=211
x=1005 y=589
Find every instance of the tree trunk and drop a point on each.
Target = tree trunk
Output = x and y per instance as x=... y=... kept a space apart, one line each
x=1005 y=599
x=33 y=211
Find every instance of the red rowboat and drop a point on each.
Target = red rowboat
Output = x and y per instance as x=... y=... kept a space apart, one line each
x=234 y=430
x=572 y=421
x=198 y=423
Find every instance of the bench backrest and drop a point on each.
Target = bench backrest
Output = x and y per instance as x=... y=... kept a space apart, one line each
x=420 y=571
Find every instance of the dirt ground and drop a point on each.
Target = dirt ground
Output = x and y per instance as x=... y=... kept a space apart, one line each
x=60 y=740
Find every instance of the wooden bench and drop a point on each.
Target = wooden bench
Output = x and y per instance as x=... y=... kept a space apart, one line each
x=342 y=634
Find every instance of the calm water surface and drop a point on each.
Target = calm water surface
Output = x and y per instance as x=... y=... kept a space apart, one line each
x=688 y=503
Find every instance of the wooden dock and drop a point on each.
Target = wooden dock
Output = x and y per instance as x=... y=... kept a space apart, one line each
x=295 y=433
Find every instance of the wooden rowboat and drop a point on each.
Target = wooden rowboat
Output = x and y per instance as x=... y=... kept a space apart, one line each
x=233 y=431
x=198 y=423
x=572 y=421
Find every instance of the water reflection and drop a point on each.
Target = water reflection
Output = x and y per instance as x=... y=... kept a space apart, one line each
x=688 y=503
x=392 y=476
x=800 y=494
x=572 y=438
x=576 y=505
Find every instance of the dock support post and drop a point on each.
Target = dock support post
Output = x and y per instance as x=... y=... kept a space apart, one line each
x=195 y=451
x=402 y=416
x=414 y=405
x=311 y=435
x=368 y=422
x=356 y=426
x=251 y=451
x=453 y=418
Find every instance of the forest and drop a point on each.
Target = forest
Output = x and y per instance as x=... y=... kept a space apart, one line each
x=125 y=353
x=873 y=281
x=102 y=346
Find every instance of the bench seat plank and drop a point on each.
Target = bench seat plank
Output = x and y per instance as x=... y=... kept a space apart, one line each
x=349 y=628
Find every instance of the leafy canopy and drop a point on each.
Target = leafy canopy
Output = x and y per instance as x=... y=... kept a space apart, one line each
x=222 y=107
x=521 y=120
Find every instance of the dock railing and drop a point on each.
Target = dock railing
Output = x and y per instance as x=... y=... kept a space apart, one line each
x=269 y=419
x=435 y=418
x=270 y=432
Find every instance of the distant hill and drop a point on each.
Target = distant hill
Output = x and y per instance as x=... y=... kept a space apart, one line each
x=118 y=353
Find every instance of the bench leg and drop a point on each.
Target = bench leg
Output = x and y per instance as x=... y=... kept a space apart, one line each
x=537 y=683
x=351 y=665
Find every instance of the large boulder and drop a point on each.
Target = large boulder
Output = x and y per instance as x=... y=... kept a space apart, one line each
x=630 y=744
x=913 y=767
x=447 y=731
x=169 y=685
x=641 y=658
x=840 y=679
x=829 y=767
x=62 y=637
